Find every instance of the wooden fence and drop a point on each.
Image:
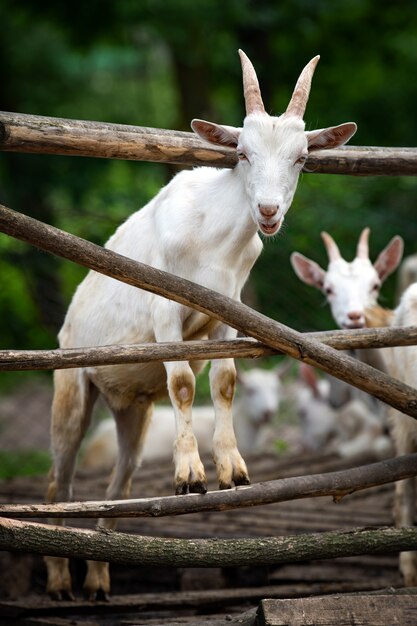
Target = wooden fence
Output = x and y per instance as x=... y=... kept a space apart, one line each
x=26 y=133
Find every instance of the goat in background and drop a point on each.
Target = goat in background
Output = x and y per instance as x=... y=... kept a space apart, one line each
x=363 y=279
x=350 y=288
x=202 y=226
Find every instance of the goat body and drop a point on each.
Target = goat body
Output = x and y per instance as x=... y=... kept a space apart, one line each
x=202 y=226
x=401 y=362
x=352 y=290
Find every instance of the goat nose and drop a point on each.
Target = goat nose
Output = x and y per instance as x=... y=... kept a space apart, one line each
x=355 y=316
x=268 y=210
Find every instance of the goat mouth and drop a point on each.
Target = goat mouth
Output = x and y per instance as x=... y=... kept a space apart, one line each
x=353 y=325
x=270 y=229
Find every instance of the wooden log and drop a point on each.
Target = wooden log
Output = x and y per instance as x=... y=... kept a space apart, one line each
x=213 y=304
x=375 y=610
x=336 y=484
x=364 y=338
x=126 y=549
x=50 y=135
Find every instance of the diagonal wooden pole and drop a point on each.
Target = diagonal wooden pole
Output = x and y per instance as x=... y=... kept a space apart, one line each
x=213 y=304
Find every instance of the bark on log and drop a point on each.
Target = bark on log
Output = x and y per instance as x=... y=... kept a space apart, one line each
x=364 y=338
x=50 y=135
x=127 y=549
x=235 y=314
x=336 y=484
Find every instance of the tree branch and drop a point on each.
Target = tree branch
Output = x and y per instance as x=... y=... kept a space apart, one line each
x=363 y=338
x=128 y=549
x=336 y=484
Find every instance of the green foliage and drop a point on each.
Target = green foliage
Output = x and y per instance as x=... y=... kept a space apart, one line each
x=23 y=463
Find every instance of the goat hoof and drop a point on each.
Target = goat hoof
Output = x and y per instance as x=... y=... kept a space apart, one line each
x=98 y=595
x=223 y=485
x=60 y=595
x=198 y=487
x=241 y=480
x=183 y=487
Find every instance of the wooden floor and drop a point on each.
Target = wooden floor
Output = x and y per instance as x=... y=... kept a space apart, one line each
x=198 y=596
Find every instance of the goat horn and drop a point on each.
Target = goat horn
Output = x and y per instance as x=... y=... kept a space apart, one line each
x=299 y=98
x=362 y=251
x=332 y=250
x=251 y=91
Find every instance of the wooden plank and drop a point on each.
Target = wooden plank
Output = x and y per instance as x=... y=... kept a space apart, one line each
x=374 y=610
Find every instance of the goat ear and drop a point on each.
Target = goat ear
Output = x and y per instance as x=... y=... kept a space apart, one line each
x=331 y=137
x=390 y=257
x=308 y=271
x=217 y=134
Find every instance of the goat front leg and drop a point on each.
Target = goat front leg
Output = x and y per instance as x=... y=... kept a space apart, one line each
x=189 y=470
x=230 y=465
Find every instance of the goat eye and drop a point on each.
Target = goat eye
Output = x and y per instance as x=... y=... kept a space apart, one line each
x=328 y=291
x=375 y=287
x=301 y=159
x=242 y=156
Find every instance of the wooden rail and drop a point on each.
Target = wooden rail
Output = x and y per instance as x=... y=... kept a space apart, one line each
x=128 y=549
x=213 y=304
x=363 y=338
x=51 y=135
x=336 y=484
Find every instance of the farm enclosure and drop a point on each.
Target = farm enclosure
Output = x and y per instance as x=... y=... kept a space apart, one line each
x=270 y=333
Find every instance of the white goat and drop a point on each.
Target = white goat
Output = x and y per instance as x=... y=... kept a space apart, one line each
x=259 y=394
x=350 y=288
x=362 y=279
x=202 y=226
